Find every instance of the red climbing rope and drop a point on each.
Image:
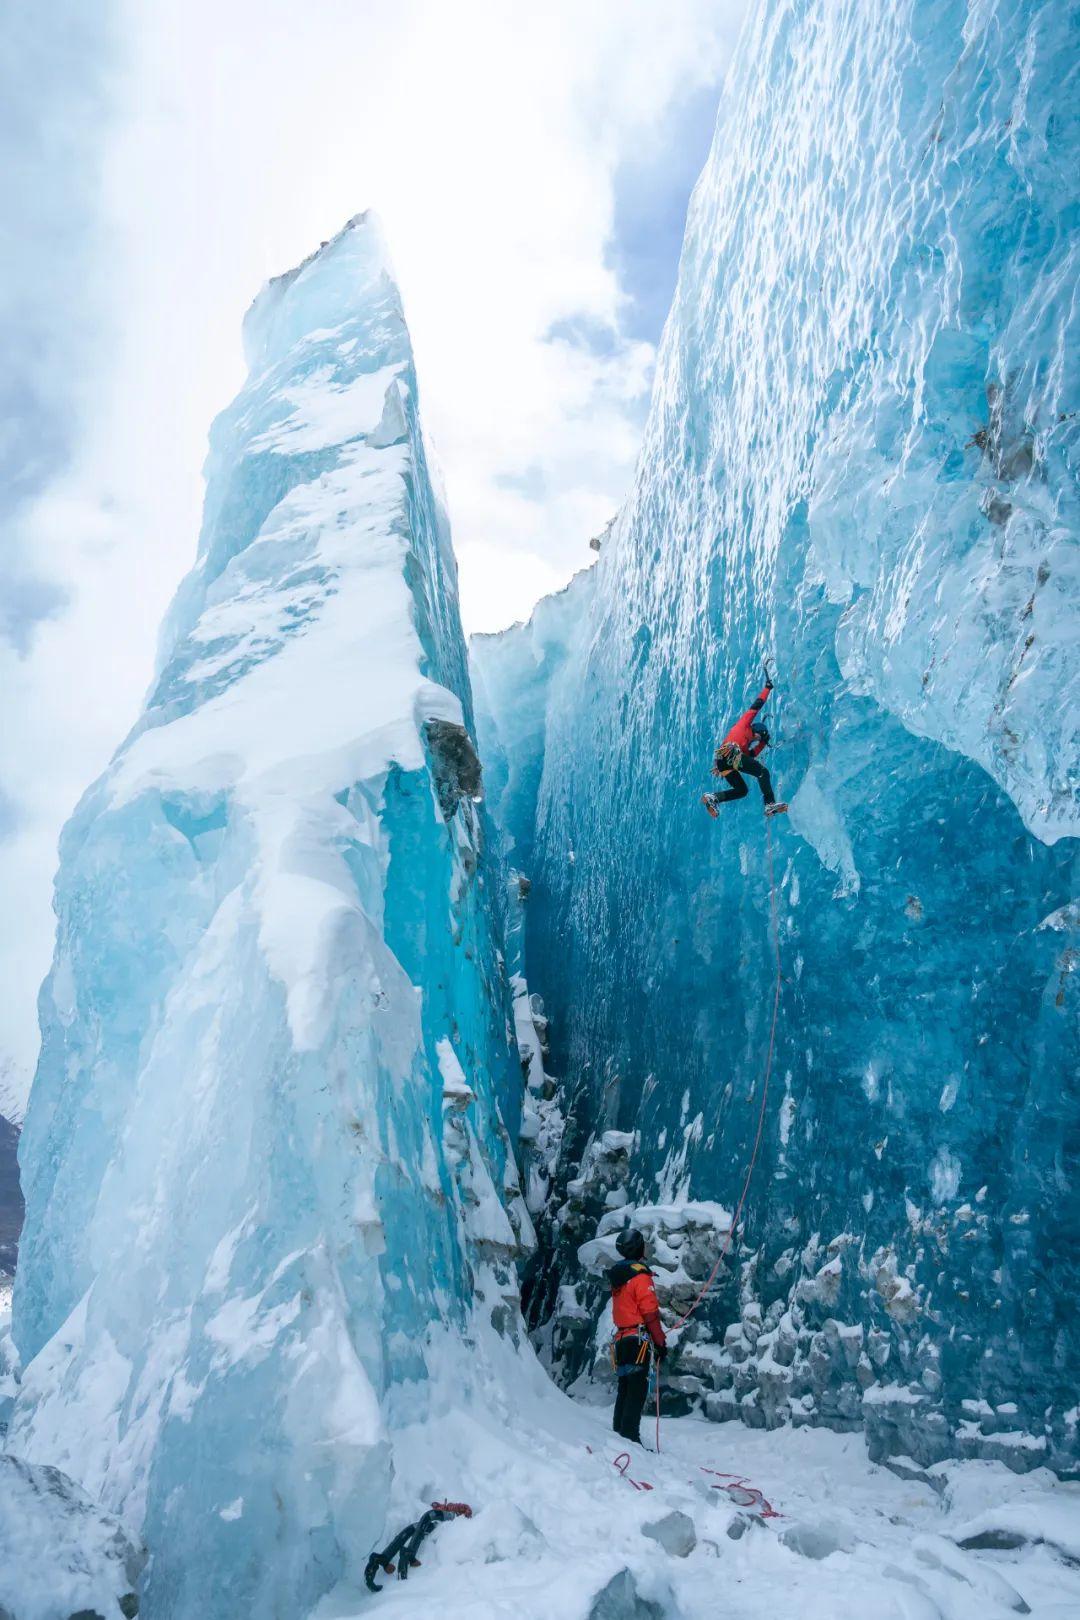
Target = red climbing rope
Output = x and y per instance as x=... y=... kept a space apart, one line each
x=736 y=1486
x=711 y=1278
x=621 y=1465
x=742 y=1493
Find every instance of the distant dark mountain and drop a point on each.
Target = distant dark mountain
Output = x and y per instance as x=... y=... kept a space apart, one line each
x=11 y=1204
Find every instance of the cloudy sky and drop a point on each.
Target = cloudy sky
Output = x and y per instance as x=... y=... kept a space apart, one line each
x=159 y=160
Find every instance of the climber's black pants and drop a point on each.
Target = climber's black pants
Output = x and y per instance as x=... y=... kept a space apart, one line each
x=739 y=789
x=633 y=1388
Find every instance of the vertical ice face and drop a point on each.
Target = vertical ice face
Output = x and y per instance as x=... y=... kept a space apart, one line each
x=11 y=1205
x=860 y=459
x=514 y=676
x=264 y=1154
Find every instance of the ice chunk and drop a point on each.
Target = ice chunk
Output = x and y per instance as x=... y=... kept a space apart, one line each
x=818 y=1538
x=598 y=1255
x=911 y=1596
x=60 y=1553
x=620 y=1599
x=675 y=1532
x=937 y=1553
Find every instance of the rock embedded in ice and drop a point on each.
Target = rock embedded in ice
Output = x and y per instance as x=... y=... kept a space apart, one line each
x=455 y=766
x=620 y=1599
x=1053 y=1519
x=904 y=1468
x=675 y=1532
x=60 y=1553
x=741 y=1522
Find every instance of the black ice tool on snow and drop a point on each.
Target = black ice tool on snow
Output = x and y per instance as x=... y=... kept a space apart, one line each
x=406 y=1543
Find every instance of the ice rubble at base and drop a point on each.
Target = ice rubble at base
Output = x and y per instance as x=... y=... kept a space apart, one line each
x=9 y=1360
x=557 y=1526
x=267 y=1153
x=61 y=1556
x=860 y=458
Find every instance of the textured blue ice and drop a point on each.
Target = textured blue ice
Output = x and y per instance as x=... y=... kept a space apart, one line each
x=860 y=459
x=265 y=1156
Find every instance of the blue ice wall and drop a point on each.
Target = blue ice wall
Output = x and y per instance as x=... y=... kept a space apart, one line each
x=11 y=1204
x=860 y=459
x=265 y=1156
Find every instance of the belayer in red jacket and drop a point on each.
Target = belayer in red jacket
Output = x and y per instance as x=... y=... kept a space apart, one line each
x=738 y=756
x=638 y=1332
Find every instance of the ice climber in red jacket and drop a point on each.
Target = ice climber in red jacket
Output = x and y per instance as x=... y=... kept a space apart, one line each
x=737 y=756
x=638 y=1332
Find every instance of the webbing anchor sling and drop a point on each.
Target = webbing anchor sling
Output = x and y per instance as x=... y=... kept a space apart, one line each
x=406 y=1543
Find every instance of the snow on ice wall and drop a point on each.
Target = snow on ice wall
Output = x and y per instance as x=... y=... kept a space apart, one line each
x=265 y=1147
x=861 y=459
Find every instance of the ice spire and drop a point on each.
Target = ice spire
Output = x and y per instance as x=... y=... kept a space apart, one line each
x=264 y=1153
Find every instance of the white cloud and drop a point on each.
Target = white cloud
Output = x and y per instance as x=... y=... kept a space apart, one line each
x=486 y=135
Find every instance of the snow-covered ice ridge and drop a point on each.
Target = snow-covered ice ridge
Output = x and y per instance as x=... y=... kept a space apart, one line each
x=860 y=459
x=266 y=1155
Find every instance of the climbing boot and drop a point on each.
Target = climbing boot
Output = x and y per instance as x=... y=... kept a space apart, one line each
x=779 y=809
x=709 y=801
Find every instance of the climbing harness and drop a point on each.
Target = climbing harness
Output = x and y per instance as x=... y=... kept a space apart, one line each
x=406 y=1543
x=711 y=1278
x=644 y=1346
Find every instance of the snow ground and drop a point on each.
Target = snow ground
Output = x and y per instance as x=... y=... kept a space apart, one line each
x=554 y=1522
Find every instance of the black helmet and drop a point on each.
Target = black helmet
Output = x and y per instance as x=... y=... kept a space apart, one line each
x=630 y=1243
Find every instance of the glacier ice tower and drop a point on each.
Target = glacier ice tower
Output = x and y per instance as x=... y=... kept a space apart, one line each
x=266 y=1154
